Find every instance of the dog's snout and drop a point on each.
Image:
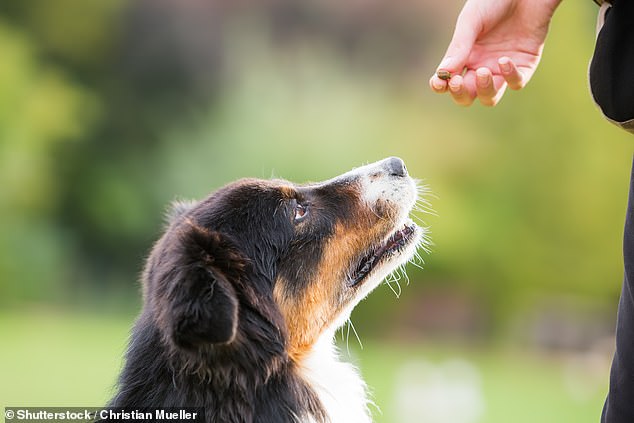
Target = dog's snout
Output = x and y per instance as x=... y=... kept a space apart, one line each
x=396 y=167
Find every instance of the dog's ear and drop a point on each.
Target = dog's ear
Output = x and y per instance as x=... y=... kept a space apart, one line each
x=202 y=299
x=207 y=313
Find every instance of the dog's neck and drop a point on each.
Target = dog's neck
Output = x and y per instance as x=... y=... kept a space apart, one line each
x=338 y=384
x=228 y=389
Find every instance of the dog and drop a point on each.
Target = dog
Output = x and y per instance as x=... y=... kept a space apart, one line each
x=244 y=291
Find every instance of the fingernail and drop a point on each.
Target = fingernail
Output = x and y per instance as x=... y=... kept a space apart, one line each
x=505 y=65
x=455 y=87
x=437 y=84
x=483 y=78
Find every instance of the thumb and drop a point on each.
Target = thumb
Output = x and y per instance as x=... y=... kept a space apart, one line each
x=464 y=36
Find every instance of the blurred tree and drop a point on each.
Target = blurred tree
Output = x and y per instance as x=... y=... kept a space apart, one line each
x=40 y=110
x=109 y=110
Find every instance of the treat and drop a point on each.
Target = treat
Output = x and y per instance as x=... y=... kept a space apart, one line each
x=445 y=75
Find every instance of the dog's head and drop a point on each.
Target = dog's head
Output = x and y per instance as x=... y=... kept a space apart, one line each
x=270 y=259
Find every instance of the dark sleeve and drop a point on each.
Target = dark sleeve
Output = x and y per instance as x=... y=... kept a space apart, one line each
x=612 y=66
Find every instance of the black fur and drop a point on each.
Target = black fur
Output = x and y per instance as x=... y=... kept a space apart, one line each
x=210 y=334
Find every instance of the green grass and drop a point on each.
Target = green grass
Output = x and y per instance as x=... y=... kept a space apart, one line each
x=52 y=358
x=513 y=386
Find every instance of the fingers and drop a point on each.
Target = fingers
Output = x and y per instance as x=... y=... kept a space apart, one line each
x=460 y=94
x=489 y=88
x=437 y=85
x=458 y=51
x=461 y=44
x=512 y=75
x=482 y=84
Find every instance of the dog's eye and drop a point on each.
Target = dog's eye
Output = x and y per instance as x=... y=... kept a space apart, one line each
x=301 y=211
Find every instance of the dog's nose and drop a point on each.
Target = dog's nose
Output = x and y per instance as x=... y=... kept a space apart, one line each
x=396 y=167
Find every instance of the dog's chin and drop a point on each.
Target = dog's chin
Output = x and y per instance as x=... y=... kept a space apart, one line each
x=381 y=259
x=376 y=264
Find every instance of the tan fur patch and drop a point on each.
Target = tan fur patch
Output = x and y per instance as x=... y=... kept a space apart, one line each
x=325 y=297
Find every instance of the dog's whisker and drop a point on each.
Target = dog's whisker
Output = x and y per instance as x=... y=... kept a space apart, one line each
x=350 y=325
x=397 y=294
x=394 y=277
x=419 y=266
x=404 y=272
x=424 y=207
x=425 y=246
x=348 y=337
x=398 y=283
x=422 y=204
x=418 y=219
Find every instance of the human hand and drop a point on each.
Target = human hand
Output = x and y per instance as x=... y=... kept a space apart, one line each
x=496 y=43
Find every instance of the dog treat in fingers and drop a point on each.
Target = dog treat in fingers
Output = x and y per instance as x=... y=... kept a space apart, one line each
x=443 y=74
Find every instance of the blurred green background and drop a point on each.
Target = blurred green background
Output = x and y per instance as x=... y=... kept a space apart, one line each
x=109 y=110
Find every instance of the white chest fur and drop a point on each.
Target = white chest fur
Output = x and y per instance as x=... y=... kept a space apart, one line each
x=338 y=384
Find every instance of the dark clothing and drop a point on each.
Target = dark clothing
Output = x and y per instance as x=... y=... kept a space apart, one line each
x=619 y=406
x=612 y=85
x=612 y=66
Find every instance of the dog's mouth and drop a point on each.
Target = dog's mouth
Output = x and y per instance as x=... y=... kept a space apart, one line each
x=381 y=253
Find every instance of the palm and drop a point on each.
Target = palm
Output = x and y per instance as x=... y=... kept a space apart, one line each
x=496 y=42
x=519 y=36
x=487 y=55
